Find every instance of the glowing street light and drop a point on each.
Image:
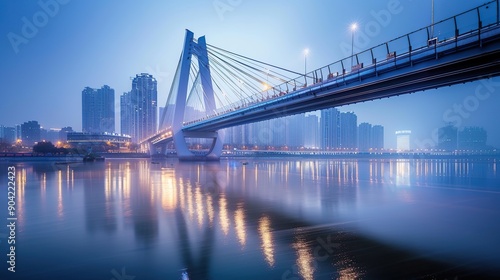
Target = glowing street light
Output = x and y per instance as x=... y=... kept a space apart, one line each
x=265 y=86
x=354 y=26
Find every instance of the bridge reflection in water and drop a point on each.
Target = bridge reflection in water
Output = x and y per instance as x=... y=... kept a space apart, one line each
x=273 y=219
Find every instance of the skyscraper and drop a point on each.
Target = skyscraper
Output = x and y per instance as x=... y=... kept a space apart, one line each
x=251 y=134
x=364 y=136
x=447 y=138
x=63 y=133
x=7 y=134
x=311 y=131
x=139 y=108
x=30 y=132
x=377 y=137
x=348 y=130
x=472 y=138
x=51 y=135
x=98 y=110
x=127 y=112
x=330 y=129
x=294 y=131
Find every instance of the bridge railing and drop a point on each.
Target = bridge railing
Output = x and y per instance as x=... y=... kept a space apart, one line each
x=466 y=23
x=466 y=27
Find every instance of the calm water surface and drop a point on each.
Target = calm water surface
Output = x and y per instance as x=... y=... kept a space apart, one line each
x=255 y=219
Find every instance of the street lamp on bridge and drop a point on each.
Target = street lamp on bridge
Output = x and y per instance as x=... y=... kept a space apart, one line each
x=306 y=52
x=354 y=26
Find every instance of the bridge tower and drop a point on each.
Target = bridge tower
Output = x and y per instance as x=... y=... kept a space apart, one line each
x=179 y=91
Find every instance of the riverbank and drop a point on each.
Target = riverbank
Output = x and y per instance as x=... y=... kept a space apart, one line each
x=123 y=155
x=20 y=157
x=32 y=157
x=356 y=155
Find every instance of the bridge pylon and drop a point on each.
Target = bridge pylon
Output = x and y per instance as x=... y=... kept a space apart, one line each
x=180 y=87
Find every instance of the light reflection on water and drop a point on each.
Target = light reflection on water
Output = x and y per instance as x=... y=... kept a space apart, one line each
x=230 y=220
x=239 y=221
x=304 y=258
x=266 y=236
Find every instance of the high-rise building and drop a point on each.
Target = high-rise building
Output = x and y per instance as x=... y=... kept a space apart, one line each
x=30 y=132
x=277 y=131
x=348 y=130
x=251 y=134
x=311 y=131
x=7 y=134
x=294 y=131
x=98 y=110
x=43 y=134
x=370 y=137
x=127 y=112
x=330 y=129
x=18 y=132
x=364 y=136
x=447 y=138
x=262 y=134
x=403 y=140
x=51 y=135
x=139 y=108
x=237 y=135
x=377 y=137
x=63 y=133
x=472 y=138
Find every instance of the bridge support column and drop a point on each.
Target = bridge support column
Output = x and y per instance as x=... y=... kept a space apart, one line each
x=199 y=49
x=163 y=148
x=151 y=149
x=216 y=149
x=183 y=152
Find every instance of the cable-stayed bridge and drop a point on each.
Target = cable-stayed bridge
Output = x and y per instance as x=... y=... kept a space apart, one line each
x=214 y=88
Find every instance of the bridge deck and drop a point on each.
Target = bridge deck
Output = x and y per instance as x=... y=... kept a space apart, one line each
x=467 y=57
x=464 y=59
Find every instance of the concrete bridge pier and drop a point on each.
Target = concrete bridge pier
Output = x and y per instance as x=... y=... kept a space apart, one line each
x=184 y=154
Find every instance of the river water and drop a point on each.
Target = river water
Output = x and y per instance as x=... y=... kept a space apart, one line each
x=275 y=218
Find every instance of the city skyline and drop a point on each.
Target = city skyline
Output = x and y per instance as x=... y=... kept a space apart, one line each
x=52 y=47
x=326 y=132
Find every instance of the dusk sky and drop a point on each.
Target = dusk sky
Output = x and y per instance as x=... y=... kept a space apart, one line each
x=94 y=43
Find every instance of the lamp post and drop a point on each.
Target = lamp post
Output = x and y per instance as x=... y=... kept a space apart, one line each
x=432 y=19
x=306 y=52
x=354 y=26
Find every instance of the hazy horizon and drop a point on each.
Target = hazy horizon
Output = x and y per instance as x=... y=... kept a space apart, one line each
x=75 y=44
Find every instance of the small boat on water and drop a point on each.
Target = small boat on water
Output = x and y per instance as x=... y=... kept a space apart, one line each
x=92 y=158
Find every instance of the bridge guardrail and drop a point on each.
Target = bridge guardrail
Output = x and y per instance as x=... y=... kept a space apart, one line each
x=451 y=34
x=408 y=48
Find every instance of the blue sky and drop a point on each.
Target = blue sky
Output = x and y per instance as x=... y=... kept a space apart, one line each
x=79 y=43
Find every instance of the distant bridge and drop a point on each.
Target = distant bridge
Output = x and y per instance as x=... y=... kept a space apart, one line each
x=225 y=89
